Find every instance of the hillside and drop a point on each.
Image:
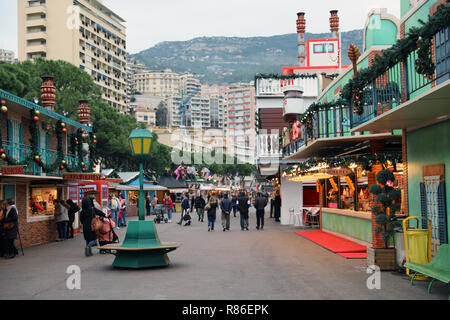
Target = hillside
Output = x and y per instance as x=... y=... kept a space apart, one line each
x=224 y=60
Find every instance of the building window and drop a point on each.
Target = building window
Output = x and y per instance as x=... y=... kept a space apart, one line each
x=8 y=191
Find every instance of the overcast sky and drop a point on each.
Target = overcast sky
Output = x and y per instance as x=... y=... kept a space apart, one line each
x=151 y=21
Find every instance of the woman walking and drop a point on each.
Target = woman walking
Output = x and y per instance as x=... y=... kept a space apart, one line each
x=86 y=216
x=61 y=219
x=169 y=205
x=277 y=206
x=73 y=208
x=211 y=208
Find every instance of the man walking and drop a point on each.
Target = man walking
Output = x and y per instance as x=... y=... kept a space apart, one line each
x=234 y=202
x=114 y=205
x=200 y=206
x=226 y=206
x=242 y=203
x=277 y=206
x=260 y=204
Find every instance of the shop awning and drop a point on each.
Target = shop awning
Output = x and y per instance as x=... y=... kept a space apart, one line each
x=147 y=187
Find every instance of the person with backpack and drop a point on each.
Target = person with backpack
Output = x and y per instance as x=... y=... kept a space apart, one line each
x=73 y=208
x=226 y=206
x=114 y=206
x=200 y=206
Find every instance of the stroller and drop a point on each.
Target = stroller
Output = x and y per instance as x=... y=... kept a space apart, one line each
x=159 y=211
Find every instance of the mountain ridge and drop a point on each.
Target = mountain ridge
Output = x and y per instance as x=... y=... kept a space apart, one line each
x=225 y=60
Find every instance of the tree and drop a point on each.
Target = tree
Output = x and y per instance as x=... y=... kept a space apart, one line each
x=72 y=84
x=161 y=115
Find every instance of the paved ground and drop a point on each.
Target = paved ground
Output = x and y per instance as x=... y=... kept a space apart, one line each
x=271 y=264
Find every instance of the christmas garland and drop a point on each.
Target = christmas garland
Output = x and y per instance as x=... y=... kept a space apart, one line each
x=364 y=161
x=277 y=76
x=416 y=39
x=307 y=118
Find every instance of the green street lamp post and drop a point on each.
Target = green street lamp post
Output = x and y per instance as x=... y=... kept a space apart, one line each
x=140 y=141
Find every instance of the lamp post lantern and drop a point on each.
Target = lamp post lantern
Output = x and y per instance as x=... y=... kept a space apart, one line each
x=140 y=141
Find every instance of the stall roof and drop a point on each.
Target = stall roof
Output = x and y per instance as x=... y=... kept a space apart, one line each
x=147 y=187
x=128 y=176
x=171 y=183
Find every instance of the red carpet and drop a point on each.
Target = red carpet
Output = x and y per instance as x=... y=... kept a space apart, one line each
x=336 y=244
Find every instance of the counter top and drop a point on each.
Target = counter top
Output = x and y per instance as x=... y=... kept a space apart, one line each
x=345 y=212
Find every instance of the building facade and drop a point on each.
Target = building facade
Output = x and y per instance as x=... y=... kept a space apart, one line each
x=7 y=56
x=84 y=33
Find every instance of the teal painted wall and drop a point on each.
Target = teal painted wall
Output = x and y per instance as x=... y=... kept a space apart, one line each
x=380 y=32
x=357 y=228
x=404 y=7
x=425 y=147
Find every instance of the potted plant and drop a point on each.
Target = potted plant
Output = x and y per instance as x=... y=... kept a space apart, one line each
x=385 y=219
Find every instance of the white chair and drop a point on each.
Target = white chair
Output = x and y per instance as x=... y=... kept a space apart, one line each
x=296 y=218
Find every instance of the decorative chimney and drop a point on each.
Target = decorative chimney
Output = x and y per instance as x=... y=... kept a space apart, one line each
x=48 y=93
x=334 y=23
x=84 y=112
x=301 y=28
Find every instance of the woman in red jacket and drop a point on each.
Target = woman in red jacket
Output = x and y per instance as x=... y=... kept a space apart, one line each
x=169 y=205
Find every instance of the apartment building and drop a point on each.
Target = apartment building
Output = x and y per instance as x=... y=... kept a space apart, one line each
x=84 y=33
x=157 y=83
x=241 y=121
x=7 y=56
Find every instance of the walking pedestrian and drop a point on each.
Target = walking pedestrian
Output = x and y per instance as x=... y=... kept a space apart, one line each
x=10 y=229
x=185 y=206
x=226 y=206
x=169 y=206
x=154 y=203
x=272 y=204
x=114 y=206
x=277 y=206
x=211 y=208
x=243 y=204
x=122 y=212
x=200 y=207
x=148 y=206
x=174 y=201
x=61 y=219
x=86 y=216
x=260 y=204
x=73 y=208
x=234 y=202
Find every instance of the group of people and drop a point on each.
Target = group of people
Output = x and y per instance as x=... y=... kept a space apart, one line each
x=240 y=203
x=64 y=217
x=117 y=206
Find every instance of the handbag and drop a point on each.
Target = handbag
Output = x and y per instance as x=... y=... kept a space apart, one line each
x=8 y=225
x=96 y=224
x=208 y=206
x=187 y=216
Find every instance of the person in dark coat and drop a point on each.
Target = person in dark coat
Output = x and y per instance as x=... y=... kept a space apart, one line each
x=234 y=202
x=185 y=206
x=174 y=200
x=73 y=209
x=2 y=231
x=242 y=204
x=10 y=229
x=87 y=214
x=211 y=208
x=199 y=207
x=260 y=204
x=226 y=206
x=277 y=206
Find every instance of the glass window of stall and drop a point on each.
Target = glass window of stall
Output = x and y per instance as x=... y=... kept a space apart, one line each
x=41 y=200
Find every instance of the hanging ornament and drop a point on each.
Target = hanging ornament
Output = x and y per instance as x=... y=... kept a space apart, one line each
x=36 y=158
x=3 y=156
x=64 y=130
x=95 y=141
x=37 y=112
x=82 y=164
x=61 y=167
x=63 y=124
x=83 y=169
x=36 y=118
x=4 y=108
x=63 y=162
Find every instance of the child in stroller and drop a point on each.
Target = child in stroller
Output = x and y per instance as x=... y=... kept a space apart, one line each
x=160 y=210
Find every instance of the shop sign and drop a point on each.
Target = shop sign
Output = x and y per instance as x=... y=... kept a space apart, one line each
x=11 y=170
x=83 y=176
x=339 y=172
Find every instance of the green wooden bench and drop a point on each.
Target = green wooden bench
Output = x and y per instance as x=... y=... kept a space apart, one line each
x=141 y=247
x=437 y=269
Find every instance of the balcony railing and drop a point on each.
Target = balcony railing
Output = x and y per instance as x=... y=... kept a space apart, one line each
x=401 y=83
x=269 y=145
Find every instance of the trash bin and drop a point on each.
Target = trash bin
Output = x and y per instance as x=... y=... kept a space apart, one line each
x=417 y=241
x=400 y=246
